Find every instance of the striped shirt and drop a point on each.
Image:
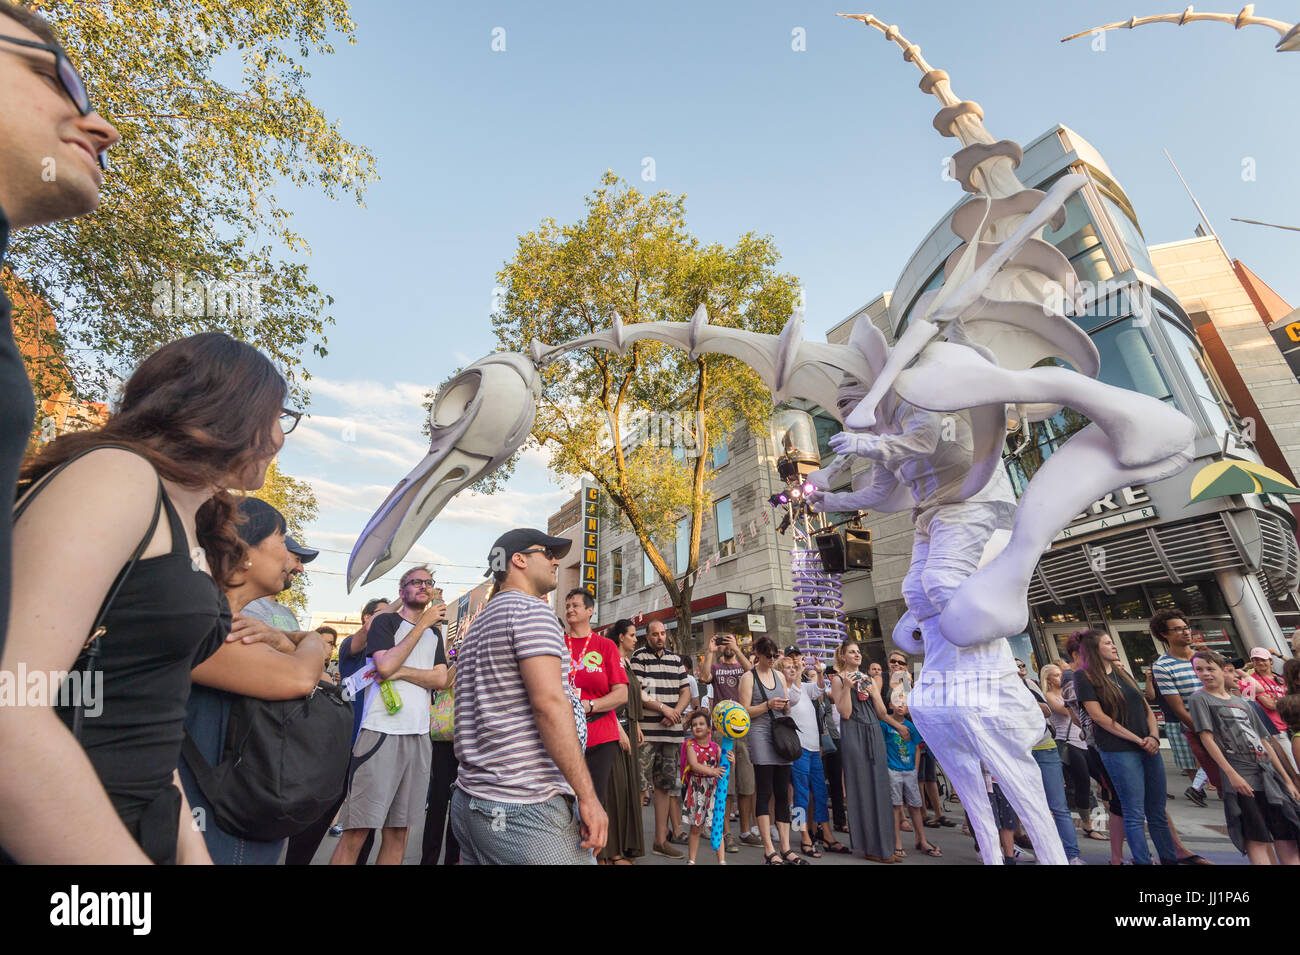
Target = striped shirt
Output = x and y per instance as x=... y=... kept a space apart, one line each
x=502 y=756
x=662 y=677
x=1175 y=677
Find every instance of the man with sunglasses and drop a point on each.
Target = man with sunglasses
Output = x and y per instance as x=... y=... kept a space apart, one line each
x=523 y=794
x=50 y=144
x=392 y=756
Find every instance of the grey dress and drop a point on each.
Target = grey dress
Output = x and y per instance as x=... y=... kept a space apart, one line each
x=866 y=781
x=759 y=737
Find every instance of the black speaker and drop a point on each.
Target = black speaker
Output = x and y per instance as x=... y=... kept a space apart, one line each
x=830 y=545
x=857 y=548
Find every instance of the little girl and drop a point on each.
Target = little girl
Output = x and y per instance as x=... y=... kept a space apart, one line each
x=700 y=782
x=1260 y=804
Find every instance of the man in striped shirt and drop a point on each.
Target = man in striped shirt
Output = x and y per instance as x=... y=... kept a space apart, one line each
x=523 y=795
x=1176 y=681
x=665 y=695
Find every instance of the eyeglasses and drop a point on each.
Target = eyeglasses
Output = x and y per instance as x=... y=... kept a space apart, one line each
x=1182 y=629
x=289 y=420
x=68 y=77
x=426 y=584
x=550 y=554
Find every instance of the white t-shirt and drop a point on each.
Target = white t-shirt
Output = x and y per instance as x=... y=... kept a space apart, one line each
x=386 y=631
x=804 y=715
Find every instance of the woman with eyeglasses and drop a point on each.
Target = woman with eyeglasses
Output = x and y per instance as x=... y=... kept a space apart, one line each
x=199 y=416
x=766 y=692
x=862 y=745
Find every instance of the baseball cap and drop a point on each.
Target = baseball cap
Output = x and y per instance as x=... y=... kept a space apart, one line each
x=304 y=554
x=1260 y=653
x=519 y=539
x=258 y=521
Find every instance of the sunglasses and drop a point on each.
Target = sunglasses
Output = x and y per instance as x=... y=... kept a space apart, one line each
x=550 y=554
x=68 y=77
x=898 y=663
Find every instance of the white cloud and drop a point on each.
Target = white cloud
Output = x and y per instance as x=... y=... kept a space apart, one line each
x=505 y=509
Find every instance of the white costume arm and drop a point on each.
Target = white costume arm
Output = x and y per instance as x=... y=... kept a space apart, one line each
x=872 y=497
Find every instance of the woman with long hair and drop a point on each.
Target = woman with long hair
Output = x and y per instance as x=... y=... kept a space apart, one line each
x=626 y=839
x=1072 y=748
x=763 y=692
x=1128 y=740
x=199 y=416
x=862 y=748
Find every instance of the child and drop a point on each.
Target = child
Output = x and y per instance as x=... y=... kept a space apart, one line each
x=700 y=782
x=901 y=756
x=1261 y=805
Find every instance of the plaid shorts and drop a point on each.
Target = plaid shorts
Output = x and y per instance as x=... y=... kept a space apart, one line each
x=1178 y=745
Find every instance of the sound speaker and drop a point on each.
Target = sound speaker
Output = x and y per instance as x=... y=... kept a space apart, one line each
x=830 y=546
x=857 y=549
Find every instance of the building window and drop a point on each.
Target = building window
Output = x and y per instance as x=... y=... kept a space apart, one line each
x=647 y=570
x=616 y=559
x=726 y=535
x=683 y=543
x=719 y=454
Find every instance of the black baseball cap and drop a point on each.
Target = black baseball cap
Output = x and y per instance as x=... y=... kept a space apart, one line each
x=520 y=539
x=258 y=521
x=304 y=554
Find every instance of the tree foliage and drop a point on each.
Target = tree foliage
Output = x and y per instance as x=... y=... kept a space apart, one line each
x=297 y=502
x=603 y=414
x=210 y=99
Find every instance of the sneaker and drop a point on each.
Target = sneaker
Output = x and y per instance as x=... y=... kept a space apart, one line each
x=730 y=842
x=1195 y=795
x=668 y=852
x=1077 y=861
x=336 y=830
x=751 y=839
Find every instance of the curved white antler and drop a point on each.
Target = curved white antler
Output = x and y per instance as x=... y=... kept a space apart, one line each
x=1290 y=32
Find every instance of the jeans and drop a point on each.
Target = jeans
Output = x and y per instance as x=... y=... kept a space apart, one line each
x=808 y=773
x=1049 y=765
x=1139 y=780
x=512 y=833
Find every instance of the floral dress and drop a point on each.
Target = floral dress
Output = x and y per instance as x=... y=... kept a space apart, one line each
x=697 y=802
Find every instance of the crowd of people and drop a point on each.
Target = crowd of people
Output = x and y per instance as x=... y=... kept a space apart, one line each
x=532 y=739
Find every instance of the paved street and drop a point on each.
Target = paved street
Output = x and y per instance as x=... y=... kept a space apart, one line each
x=1202 y=831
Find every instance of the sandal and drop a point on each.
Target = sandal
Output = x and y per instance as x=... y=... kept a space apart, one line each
x=905 y=826
x=792 y=858
x=767 y=860
x=931 y=823
x=900 y=853
x=1194 y=860
x=934 y=852
x=810 y=850
x=838 y=848
x=946 y=822
x=1099 y=836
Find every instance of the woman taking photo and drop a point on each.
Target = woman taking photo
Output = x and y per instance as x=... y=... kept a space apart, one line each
x=862 y=748
x=1129 y=743
x=765 y=689
x=626 y=839
x=198 y=416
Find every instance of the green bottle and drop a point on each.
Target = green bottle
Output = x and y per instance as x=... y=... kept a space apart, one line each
x=392 y=699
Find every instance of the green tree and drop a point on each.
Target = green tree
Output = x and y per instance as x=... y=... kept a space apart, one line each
x=632 y=255
x=297 y=502
x=210 y=99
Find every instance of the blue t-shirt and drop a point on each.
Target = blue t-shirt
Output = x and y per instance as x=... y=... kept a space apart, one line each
x=901 y=754
x=350 y=663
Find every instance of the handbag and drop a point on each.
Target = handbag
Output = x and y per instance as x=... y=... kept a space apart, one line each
x=442 y=714
x=785 y=732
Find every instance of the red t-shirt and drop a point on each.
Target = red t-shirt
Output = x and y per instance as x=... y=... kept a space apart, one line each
x=596 y=667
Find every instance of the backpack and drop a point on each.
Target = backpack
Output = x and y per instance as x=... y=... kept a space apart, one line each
x=284 y=764
x=785 y=732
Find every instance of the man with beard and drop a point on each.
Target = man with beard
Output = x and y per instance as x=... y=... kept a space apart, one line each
x=391 y=757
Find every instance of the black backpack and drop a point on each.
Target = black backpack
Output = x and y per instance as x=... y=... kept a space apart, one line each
x=284 y=764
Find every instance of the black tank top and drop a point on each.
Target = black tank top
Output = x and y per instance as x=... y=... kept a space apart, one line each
x=167 y=618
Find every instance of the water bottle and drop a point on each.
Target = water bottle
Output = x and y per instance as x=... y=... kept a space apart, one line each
x=392 y=699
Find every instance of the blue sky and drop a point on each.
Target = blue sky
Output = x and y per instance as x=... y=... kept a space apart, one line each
x=829 y=149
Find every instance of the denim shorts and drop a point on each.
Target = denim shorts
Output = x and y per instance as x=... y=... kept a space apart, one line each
x=512 y=833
